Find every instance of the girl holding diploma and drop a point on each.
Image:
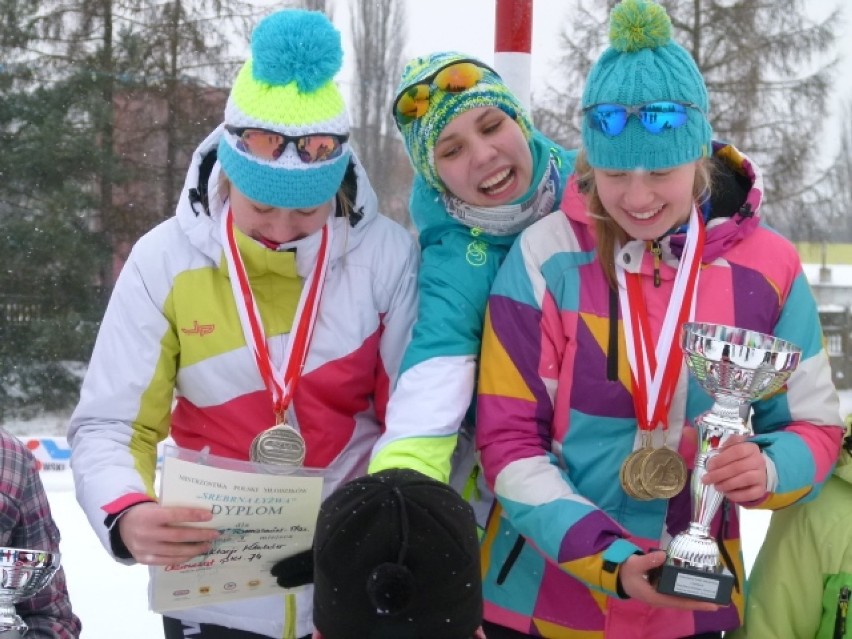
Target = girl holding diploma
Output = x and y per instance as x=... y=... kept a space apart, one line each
x=270 y=313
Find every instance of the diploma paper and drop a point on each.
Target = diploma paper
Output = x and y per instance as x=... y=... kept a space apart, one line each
x=261 y=518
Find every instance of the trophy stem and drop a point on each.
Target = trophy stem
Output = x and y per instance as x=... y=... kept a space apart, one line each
x=727 y=409
x=9 y=619
x=714 y=428
x=705 y=498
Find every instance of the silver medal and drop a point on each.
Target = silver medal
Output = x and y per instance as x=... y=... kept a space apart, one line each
x=281 y=445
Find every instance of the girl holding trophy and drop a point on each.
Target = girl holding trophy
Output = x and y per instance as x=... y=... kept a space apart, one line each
x=270 y=313
x=586 y=410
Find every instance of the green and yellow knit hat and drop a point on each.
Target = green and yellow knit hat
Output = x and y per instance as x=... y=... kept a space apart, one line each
x=644 y=65
x=287 y=87
x=438 y=107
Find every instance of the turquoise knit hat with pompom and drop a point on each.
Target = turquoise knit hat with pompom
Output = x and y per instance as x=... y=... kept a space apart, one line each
x=287 y=86
x=643 y=64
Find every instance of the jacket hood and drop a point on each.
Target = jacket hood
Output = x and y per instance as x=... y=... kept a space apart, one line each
x=736 y=196
x=202 y=227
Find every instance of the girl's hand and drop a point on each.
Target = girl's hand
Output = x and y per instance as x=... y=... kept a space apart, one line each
x=155 y=534
x=738 y=470
x=635 y=581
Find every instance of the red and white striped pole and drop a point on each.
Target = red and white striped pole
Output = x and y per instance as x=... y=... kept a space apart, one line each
x=513 y=46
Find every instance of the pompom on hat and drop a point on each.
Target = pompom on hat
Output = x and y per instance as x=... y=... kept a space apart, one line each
x=396 y=556
x=643 y=64
x=420 y=134
x=287 y=86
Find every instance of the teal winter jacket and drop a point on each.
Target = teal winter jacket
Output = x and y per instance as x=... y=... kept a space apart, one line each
x=436 y=384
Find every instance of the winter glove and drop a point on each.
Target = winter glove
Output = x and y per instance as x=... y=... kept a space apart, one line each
x=296 y=570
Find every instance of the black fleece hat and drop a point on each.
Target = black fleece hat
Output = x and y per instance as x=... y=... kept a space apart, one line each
x=396 y=556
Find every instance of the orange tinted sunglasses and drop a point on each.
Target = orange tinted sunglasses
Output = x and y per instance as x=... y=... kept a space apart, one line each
x=269 y=145
x=456 y=77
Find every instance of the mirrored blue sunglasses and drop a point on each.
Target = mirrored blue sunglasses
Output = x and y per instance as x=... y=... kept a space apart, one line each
x=610 y=119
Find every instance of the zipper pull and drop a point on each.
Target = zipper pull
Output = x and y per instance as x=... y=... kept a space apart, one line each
x=842 y=612
x=657 y=252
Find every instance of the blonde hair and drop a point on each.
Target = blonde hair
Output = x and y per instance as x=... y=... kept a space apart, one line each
x=607 y=232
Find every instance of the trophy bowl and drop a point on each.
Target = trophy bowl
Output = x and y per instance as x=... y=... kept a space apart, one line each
x=23 y=573
x=737 y=362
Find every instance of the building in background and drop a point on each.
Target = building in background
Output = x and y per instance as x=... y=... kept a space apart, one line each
x=828 y=268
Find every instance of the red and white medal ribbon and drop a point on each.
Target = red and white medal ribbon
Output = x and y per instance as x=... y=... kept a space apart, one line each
x=655 y=370
x=280 y=381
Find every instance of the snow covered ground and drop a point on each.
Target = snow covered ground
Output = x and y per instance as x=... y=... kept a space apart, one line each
x=111 y=599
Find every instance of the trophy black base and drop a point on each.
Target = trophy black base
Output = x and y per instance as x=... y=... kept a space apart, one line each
x=694 y=583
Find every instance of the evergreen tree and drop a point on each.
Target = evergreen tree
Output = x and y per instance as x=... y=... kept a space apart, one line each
x=103 y=103
x=160 y=71
x=49 y=291
x=769 y=71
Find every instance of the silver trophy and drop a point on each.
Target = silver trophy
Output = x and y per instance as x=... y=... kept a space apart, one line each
x=736 y=367
x=22 y=574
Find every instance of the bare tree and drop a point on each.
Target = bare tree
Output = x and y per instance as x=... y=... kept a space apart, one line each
x=180 y=50
x=378 y=33
x=581 y=41
x=768 y=65
x=318 y=5
x=839 y=193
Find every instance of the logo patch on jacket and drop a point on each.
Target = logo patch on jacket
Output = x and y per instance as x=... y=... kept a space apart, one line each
x=199 y=329
x=477 y=253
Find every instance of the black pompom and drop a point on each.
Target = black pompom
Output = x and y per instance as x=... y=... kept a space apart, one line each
x=390 y=588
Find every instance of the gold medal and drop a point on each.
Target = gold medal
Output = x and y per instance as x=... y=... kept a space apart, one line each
x=622 y=473
x=281 y=445
x=630 y=474
x=635 y=475
x=662 y=473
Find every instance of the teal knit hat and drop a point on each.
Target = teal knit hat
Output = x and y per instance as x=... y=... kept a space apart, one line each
x=421 y=134
x=643 y=64
x=287 y=87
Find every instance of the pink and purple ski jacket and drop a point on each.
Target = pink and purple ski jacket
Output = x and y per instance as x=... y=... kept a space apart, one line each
x=556 y=416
